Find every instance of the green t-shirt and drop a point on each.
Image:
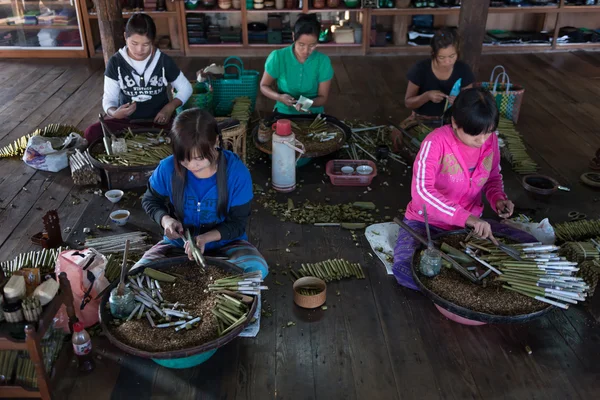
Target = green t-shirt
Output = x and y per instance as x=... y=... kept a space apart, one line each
x=298 y=79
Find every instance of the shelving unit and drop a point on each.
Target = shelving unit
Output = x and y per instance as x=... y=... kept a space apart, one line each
x=45 y=35
x=167 y=24
x=550 y=18
x=172 y=23
x=31 y=344
x=245 y=48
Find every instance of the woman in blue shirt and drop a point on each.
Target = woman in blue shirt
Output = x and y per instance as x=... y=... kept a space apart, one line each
x=205 y=189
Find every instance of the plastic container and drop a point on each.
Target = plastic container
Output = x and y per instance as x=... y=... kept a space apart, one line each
x=338 y=178
x=82 y=347
x=46 y=291
x=283 y=163
x=343 y=35
x=14 y=290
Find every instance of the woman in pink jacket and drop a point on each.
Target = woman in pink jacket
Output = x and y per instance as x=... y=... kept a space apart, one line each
x=456 y=165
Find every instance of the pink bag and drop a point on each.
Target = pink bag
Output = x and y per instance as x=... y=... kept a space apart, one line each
x=85 y=271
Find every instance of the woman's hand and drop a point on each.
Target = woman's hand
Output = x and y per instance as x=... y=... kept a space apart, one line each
x=481 y=228
x=435 y=96
x=164 y=115
x=173 y=228
x=287 y=100
x=505 y=208
x=125 y=110
x=451 y=99
x=200 y=244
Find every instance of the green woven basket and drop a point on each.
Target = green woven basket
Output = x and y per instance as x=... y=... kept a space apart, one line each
x=202 y=97
x=241 y=83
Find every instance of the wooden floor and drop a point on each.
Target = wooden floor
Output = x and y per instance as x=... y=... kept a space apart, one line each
x=376 y=340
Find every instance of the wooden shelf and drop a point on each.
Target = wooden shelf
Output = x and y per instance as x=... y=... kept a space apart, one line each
x=38 y=27
x=274 y=11
x=571 y=46
x=517 y=48
x=580 y=9
x=525 y=10
x=339 y=9
x=19 y=391
x=31 y=343
x=399 y=49
x=231 y=45
x=212 y=11
x=415 y=11
x=153 y=14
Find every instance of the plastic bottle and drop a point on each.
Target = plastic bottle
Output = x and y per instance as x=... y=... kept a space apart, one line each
x=82 y=346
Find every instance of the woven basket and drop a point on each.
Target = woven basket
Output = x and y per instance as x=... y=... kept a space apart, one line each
x=242 y=82
x=202 y=97
x=234 y=139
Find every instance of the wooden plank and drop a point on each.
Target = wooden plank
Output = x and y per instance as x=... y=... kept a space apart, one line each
x=29 y=100
x=14 y=87
x=551 y=351
x=11 y=69
x=257 y=357
x=294 y=360
x=341 y=76
x=256 y=364
x=413 y=368
x=135 y=378
x=111 y=25
x=335 y=375
x=108 y=360
x=539 y=380
x=580 y=332
x=494 y=372
x=471 y=28
x=23 y=202
x=47 y=107
x=77 y=105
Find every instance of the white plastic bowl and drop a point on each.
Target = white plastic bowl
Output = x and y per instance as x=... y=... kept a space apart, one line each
x=347 y=170
x=114 y=195
x=364 y=169
x=120 y=217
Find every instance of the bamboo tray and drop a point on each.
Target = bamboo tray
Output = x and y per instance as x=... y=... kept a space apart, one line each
x=106 y=317
x=462 y=311
x=120 y=176
x=335 y=144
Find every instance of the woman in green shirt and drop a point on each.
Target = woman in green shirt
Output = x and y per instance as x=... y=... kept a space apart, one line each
x=299 y=70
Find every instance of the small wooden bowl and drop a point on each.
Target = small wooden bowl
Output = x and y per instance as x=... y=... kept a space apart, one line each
x=310 y=301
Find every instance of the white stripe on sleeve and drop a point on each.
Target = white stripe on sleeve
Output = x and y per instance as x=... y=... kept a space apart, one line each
x=421 y=189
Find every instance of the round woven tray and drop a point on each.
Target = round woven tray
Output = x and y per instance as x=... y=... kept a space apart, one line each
x=106 y=317
x=462 y=311
x=333 y=145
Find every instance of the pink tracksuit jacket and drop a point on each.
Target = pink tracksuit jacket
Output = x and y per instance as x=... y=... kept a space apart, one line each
x=442 y=181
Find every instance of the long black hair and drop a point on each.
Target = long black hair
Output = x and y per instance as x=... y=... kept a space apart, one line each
x=194 y=134
x=141 y=24
x=443 y=38
x=475 y=111
x=307 y=24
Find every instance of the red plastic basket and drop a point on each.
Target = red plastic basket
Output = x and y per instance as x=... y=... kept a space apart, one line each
x=338 y=178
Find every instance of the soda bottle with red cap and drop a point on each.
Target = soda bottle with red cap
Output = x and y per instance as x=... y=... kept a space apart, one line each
x=82 y=346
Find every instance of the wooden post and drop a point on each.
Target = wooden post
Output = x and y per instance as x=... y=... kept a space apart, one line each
x=112 y=27
x=471 y=28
